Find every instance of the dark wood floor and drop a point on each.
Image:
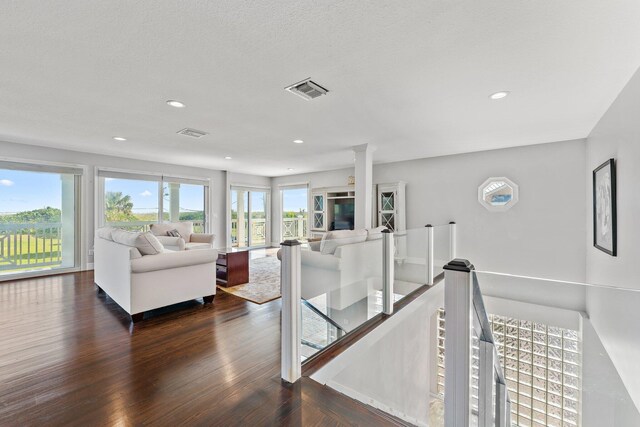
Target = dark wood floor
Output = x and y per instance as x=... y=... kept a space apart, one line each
x=71 y=357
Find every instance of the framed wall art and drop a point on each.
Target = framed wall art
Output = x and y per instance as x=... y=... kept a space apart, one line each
x=604 y=207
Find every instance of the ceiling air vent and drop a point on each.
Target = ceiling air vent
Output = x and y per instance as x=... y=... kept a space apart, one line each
x=194 y=133
x=307 y=89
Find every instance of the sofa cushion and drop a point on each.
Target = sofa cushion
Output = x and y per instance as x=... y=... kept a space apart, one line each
x=169 y=260
x=375 y=233
x=172 y=243
x=134 y=253
x=315 y=246
x=334 y=239
x=184 y=228
x=105 y=233
x=146 y=243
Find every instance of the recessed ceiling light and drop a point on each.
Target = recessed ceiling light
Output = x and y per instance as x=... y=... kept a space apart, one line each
x=289 y=169
x=228 y=158
x=499 y=95
x=119 y=138
x=176 y=104
x=298 y=141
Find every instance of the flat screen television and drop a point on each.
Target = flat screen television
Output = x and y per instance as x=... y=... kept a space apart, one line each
x=343 y=215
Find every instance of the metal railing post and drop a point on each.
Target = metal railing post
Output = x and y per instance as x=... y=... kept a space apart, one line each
x=502 y=410
x=291 y=326
x=453 y=238
x=485 y=383
x=387 y=271
x=458 y=294
x=430 y=255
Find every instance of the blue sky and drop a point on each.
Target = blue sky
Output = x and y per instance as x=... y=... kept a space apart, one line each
x=294 y=199
x=25 y=191
x=144 y=195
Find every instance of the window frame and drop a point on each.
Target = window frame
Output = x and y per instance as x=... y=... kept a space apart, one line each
x=79 y=173
x=161 y=179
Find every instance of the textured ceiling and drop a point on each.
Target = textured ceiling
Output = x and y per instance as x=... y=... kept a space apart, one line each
x=410 y=77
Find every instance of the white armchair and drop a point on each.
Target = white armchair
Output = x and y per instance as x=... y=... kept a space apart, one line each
x=188 y=240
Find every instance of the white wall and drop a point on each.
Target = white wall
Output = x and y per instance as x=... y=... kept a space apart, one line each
x=390 y=368
x=615 y=316
x=542 y=235
x=24 y=152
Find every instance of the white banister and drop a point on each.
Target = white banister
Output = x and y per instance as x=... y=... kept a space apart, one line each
x=291 y=326
x=453 y=238
x=458 y=293
x=387 y=271
x=430 y=255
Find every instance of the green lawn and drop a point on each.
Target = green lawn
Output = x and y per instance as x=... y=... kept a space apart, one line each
x=28 y=251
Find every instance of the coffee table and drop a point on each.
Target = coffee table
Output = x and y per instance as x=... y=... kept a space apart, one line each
x=232 y=267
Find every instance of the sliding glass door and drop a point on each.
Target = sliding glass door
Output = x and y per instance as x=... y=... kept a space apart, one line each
x=249 y=213
x=294 y=209
x=38 y=218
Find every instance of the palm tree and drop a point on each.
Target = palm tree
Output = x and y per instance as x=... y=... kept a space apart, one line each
x=118 y=207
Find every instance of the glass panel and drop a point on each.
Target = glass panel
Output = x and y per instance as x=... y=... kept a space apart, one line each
x=294 y=213
x=387 y=201
x=130 y=203
x=184 y=202
x=318 y=203
x=388 y=220
x=37 y=222
x=352 y=294
x=258 y=218
x=317 y=331
x=318 y=220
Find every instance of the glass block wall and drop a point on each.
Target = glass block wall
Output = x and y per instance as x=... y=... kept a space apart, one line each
x=542 y=365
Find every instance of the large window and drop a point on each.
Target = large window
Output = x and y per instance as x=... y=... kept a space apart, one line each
x=134 y=201
x=38 y=218
x=249 y=213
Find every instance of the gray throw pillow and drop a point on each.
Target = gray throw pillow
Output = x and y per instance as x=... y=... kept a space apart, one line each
x=173 y=233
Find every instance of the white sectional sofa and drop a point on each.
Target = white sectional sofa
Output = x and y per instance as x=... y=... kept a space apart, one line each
x=139 y=275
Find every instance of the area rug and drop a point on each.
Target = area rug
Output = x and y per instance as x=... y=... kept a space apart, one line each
x=264 y=281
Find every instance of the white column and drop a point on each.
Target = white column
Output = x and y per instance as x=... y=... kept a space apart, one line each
x=457 y=355
x=68 y=216
x=174 y=202
x=453 y=241
x=364 y=182
x=291 y=326
x=240 y=232
x=387 y=271
x=429 y=261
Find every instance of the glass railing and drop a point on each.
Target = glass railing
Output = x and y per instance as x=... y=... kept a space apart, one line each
x=564 y=353
x=342 y=279
x=318 y=331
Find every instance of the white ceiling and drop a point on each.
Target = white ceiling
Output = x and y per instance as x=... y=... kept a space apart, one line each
x=410 y=77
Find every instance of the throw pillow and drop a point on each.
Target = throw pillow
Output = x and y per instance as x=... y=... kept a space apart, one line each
x=173 y=233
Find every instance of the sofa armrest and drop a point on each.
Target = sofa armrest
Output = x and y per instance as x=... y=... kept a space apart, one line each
x=168 y=260
x=202 y=238
x=172 y=241
x=319 y=260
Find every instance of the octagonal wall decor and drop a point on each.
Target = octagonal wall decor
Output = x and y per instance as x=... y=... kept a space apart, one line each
x=498 y=194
